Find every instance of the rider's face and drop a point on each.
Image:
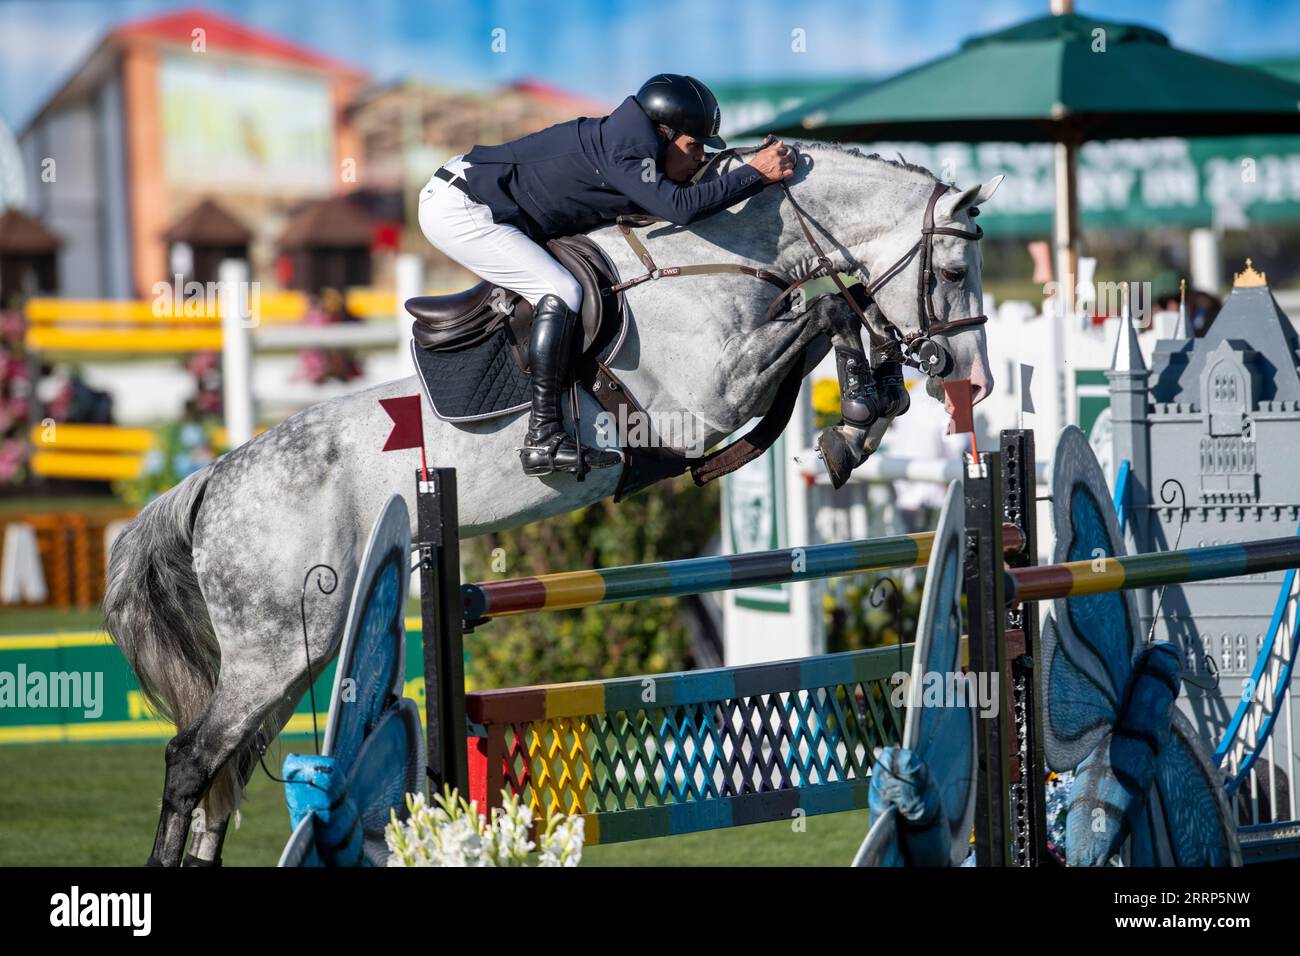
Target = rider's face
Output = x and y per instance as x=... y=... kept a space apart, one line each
x=683 y=157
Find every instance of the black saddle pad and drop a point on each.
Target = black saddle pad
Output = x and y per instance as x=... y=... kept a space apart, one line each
x=475 y=383
x=482 y=381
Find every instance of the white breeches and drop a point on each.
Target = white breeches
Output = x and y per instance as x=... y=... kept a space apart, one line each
x=500 y=253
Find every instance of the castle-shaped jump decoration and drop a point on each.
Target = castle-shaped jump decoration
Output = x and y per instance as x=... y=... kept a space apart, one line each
x=1219 y=411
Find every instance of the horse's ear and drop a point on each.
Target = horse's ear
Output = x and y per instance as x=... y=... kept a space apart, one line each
x=972 y=197
x=988 y=189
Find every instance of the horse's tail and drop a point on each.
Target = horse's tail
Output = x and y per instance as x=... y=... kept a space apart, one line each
x=155 y=613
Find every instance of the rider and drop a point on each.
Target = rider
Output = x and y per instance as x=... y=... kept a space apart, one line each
x=493 y=209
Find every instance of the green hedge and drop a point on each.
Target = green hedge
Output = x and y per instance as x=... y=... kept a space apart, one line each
x=671 y=520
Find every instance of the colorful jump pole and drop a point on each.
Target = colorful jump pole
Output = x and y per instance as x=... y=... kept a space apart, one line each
x=574 y=589
x=1078 y=578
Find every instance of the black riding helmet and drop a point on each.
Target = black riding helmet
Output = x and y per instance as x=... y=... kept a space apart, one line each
x=684 y=104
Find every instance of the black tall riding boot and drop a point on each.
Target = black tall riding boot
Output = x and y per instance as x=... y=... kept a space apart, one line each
x=548 y=448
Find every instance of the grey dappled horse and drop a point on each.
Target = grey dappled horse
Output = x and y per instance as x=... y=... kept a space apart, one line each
x=204 y=586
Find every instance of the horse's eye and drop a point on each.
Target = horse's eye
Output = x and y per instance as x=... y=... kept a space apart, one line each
x=953 y=275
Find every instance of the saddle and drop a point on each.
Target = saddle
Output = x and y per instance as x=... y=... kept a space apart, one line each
x=449 y=323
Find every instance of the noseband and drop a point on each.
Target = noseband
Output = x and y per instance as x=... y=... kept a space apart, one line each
x=920 y=349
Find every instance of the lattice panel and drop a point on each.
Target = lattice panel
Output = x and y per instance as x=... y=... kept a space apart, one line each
x=732 y=747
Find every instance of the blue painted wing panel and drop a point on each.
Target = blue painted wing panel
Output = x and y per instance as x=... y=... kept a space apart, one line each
x=1194 y=810
x=372 y=658
x=374 y=750
x=1095 y=823
x=1109 y=798
x=389 y=766
x=931 y=780
x=1085 y=527
x=1090 y=641
x=944 y=736
x=1078 y=712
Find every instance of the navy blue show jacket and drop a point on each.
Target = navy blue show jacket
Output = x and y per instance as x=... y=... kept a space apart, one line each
x=574 y=176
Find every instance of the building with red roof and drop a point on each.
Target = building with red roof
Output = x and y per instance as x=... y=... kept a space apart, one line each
x=169 y=111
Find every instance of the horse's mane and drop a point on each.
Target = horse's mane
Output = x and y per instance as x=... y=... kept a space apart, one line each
x=817 y=146
x=814 y=147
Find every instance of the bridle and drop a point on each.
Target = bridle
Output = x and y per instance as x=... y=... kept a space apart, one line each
x=920 y=349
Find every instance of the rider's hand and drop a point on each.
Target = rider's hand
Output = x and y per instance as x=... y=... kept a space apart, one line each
x=774 y=162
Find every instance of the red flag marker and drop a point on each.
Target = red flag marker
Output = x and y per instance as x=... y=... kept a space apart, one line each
x=959 y=396
x=963 y=414
x=408 y=426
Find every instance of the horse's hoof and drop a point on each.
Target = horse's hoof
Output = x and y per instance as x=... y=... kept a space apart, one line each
x=192 y=860
x=837 y=455
x=153 y=861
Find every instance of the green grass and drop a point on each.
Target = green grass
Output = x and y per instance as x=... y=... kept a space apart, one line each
x=41 y=620
x=72 y=805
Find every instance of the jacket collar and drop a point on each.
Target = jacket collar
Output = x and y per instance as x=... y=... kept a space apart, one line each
x=629 y=112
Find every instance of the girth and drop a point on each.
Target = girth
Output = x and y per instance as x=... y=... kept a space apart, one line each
x=645 y=466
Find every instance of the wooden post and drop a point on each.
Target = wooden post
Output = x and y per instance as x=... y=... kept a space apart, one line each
x=440 y=607
x=236 y=351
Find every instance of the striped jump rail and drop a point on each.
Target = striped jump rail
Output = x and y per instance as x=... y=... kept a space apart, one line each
x=170 y=323
x=1078 y=578
x=96 y=452
x=89 y=452
x=566 y=590
x=643 y=757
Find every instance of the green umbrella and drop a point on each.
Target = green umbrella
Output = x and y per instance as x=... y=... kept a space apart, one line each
x=1063 y=79
x=1056 y=79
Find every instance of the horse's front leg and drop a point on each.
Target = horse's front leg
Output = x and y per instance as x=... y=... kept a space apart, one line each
x=871 y=396
x=876 y=433
x=755 y=361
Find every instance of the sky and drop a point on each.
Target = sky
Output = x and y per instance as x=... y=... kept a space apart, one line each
x=606 y=48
